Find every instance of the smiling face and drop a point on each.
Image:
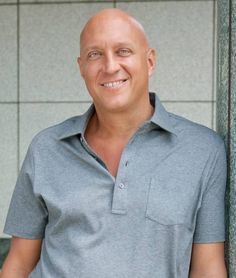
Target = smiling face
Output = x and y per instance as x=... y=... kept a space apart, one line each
x=115 y=61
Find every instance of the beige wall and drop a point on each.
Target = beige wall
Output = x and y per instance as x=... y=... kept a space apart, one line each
x=39 y=78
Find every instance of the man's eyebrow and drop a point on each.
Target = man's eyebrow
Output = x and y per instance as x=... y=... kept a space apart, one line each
x=116 y=45
x=89 y=48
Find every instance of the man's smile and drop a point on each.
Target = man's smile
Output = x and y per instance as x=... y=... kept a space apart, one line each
x=114 y=84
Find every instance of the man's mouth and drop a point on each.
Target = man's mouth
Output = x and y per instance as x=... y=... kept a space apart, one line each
x=113 y=84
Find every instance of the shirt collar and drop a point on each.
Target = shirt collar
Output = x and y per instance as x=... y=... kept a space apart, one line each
x=77 y=124
x=160 y=117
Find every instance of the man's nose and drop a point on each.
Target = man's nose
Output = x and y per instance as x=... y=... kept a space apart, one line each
x=111 y=64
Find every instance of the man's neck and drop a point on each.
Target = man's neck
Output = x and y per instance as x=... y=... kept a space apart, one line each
x=115 y=125
x=108 y=133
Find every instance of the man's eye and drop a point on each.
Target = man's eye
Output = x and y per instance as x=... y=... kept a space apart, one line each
x=93 y=55
x=124 y=52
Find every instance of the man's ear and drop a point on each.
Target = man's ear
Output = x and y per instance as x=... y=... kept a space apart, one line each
x=151 y=59
x=79 y=61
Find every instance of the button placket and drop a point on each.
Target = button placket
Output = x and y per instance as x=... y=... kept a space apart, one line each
x=119 y=202
x=120 y=193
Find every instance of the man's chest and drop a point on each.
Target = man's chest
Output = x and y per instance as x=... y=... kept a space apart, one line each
x=160 y=182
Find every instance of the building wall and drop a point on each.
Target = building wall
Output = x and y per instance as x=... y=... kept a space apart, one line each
x=39 y=78
x=226 y=116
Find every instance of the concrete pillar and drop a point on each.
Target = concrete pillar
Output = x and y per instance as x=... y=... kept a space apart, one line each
x=226 y=116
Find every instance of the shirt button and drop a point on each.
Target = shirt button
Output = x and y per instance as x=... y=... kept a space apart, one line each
x=122 y=186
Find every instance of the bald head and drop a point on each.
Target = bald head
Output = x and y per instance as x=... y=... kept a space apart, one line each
x=107 y=19
x=116 y=61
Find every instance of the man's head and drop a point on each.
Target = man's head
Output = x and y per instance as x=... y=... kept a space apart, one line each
x=115 y=60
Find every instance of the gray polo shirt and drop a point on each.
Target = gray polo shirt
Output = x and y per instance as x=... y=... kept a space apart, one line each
x=167 y=195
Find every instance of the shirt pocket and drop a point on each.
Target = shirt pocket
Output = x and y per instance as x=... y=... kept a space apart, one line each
x=171 y=202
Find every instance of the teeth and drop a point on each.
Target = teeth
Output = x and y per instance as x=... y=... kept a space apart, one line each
x=112 y=84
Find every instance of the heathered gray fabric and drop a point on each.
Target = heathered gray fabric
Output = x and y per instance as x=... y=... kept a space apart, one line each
x=168 y=193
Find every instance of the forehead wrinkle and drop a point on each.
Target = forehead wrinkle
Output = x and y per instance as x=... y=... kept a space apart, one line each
x=102 y=19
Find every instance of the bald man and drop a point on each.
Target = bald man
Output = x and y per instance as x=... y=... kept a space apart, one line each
x=126 y=190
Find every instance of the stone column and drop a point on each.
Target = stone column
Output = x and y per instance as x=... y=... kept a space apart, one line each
x=226 y=116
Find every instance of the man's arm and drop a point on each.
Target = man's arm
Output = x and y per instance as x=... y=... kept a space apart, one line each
x=22 y=258
x=208 y=261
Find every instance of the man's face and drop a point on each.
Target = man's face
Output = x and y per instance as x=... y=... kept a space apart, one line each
x=115 y=63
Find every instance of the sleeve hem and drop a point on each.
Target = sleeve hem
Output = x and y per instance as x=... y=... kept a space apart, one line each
x=209 y=240
x=22 y=234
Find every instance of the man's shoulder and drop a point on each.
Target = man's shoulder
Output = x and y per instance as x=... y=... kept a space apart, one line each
x=196 y=135
x=53 y=134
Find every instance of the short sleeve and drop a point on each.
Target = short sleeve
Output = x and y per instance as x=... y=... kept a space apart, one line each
x=210 y=224
x=27 y=214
